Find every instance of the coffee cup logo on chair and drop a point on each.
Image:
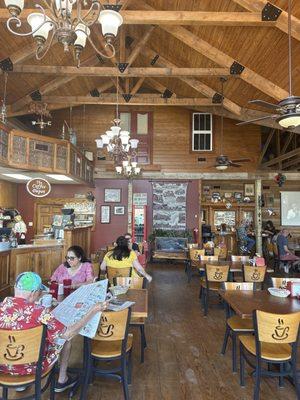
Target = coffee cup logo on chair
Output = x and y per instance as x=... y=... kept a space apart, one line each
x=218 y=275
x=281 y=331
x=255 y=275
x=105 y=329
x=14 y=352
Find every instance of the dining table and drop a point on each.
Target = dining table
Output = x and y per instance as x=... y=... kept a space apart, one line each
x=140 y=298
x=244 y=302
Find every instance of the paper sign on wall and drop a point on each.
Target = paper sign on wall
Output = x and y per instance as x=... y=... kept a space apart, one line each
x=139 y=199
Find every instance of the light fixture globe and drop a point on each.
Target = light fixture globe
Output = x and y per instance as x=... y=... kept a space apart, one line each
x=64 y=5
x=14 y=6
x=82 y=33
x=289 y=120
x=36 y=20
x=221 y=167
x=99 y=143
x=110 y=21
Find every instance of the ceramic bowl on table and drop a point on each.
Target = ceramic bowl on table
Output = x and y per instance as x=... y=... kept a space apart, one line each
x=279 y=292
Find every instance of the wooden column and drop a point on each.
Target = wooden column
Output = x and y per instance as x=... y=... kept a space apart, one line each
x=258 y=216
x=200 y=210
x=129 y=227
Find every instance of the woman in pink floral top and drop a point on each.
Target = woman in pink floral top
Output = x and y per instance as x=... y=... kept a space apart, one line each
x=77 y=268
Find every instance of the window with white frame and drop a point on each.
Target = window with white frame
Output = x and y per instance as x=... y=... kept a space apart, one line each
x=202 y=132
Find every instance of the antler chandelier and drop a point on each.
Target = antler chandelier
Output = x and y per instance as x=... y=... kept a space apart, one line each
x=68 y=27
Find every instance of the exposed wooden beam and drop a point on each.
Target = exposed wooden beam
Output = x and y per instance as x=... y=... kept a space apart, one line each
x=139 y=46
x=138 y=17
x=291 y=163
x=137 y=86
x=282 y=22
x=282 y=157
x=111 y=71
x=122 y=44
x=287 y=142
x=221 y=58
x=156 y=85
x=22 y=54
x=51 y=86
x=110 y=99
x=266 y=145
x=193 y=83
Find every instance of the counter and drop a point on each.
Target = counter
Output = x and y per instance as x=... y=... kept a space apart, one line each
x=38 y=258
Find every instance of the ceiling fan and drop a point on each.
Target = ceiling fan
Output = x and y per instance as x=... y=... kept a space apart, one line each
x=287 y=110
x=223 y=161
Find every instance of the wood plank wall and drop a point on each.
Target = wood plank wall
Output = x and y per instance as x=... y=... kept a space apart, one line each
x=8 y=194
x=172 y=137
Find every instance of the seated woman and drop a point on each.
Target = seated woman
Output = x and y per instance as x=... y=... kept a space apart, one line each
x=122 y=257
x=76 y=267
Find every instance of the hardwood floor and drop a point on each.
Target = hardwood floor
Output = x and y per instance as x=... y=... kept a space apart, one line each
x=182 y=361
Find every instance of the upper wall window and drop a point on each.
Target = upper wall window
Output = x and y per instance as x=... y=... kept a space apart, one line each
x=202 y=132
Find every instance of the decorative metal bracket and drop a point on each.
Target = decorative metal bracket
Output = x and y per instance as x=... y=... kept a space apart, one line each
x=167 y=94
x=236 y=68
x=6 y=65
x=95 y=93
x=153 y=61
x=122 y=67
x=36 y=96
x=101 y=59
x=127 y=97
x=217 y=98
x=270 y=12
x=114 y=7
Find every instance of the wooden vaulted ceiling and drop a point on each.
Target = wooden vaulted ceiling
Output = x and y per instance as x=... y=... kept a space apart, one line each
x=262 y=47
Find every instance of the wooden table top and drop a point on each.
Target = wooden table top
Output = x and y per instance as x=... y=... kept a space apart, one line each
x=140 y=297
x=244 y=302
x=182 y=255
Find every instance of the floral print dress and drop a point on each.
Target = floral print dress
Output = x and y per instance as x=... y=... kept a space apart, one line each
x=18 y=314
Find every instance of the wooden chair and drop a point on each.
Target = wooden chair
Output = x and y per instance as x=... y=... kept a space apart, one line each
x=194 y=256
x=209 y=258
x=236 y=325
x=21 y=347
x=136 y=283
x=111 y=343
x=214 y=276
x=274 y=343
x=242 y=259
x=282 y=282
x=113 y=272
x=254 y=274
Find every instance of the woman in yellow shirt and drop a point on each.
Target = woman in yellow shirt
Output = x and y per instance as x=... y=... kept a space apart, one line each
x=122 y=257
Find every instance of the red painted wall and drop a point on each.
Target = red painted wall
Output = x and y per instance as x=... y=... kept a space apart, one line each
x=107 y=233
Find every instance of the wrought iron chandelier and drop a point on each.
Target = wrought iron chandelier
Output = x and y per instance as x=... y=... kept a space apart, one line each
x=40 y=109
x=67 y=26
x=120 y=147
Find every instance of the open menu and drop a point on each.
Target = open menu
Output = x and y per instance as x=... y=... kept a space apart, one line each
x=77 y=304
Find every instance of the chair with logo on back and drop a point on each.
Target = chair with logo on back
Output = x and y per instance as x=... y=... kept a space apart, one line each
x=113 y=272
x=215 y=275
x=236 y=325
x=274 y=343
x=18 y=347
x=194 y=256
x=255 y=274
x=112 y=343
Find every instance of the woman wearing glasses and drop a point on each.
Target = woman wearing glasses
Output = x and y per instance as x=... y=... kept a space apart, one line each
x=76 y=267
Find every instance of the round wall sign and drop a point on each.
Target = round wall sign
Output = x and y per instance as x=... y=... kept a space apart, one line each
x=38 y=187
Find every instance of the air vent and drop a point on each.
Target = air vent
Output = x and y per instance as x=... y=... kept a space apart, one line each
x=41 y=147
x=101 y=158
x=217 y=187
x=201 y=159
x=266 y=187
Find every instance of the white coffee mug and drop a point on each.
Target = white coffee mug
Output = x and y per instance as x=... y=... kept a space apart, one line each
x=46 y=300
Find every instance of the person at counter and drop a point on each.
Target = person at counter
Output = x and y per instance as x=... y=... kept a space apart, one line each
x=244 y=235
x=76 y=267
x=122 y=257
x=284 y=253
x=22 y=312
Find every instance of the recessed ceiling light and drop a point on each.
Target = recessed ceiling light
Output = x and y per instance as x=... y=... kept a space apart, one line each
x=60 y=177
x=18 y=176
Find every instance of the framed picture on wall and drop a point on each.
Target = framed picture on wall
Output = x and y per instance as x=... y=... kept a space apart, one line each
x=238 y=195
x=227 y=195
x=112 y=195
x=105 y=214
x=119 y=210
x=249 y=189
